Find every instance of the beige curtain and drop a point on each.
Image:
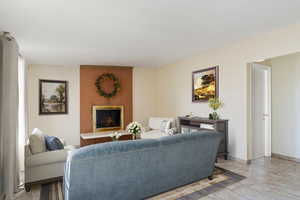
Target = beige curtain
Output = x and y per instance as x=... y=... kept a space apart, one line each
x=9 y=172
x=22 y=135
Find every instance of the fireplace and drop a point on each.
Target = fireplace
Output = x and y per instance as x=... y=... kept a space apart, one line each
x=107 y=118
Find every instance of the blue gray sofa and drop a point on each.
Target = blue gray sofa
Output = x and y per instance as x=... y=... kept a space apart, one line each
x=141 y=168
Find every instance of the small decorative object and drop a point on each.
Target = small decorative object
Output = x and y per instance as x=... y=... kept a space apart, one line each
x=115 y=136
x=135 y=129
x=190 y=115
x=214 y=104
x=205 y=84
x=108 y=77
x=53 y=97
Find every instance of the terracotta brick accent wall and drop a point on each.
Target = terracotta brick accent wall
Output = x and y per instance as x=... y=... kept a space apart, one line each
x=90 y=97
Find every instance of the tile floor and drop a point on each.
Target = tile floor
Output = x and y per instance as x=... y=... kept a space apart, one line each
x=267 y=179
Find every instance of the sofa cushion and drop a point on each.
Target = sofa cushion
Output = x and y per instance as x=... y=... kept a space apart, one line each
x=165 y=125
x=53 y=143
x=37 y=141
x=155 y=122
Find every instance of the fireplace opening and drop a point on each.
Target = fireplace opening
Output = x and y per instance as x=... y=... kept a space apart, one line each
x=107 y=118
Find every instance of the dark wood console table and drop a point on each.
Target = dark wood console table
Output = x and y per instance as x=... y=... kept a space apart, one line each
x=192 y=124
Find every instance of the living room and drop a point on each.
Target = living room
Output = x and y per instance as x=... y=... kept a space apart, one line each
x=62 y=82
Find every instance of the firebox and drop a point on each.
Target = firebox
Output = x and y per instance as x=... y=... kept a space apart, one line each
x=107 y=118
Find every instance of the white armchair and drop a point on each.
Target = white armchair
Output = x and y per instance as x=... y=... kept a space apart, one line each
x=44 y=167
x=154 y=128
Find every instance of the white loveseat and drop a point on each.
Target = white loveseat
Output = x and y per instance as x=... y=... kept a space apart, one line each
x=154 y=128
x=44 y=167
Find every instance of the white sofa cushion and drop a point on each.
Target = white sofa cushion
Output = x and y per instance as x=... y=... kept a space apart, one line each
x=37 y=141
x=155 y=122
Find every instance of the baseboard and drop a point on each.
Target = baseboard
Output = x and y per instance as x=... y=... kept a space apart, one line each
x=276 y=155
x=239 y=160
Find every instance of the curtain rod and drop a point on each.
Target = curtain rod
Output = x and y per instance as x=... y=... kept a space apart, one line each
x=10 y=38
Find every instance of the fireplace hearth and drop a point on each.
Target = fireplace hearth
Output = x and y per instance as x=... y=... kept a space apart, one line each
x=107 y=118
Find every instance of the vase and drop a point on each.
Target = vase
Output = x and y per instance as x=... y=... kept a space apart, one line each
x=136 y=136
x=214 y=116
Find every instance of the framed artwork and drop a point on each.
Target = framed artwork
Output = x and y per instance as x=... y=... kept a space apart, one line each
x=53 y=97
x=205 y=84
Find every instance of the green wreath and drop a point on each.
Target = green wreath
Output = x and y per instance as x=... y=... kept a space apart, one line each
x=105 y=77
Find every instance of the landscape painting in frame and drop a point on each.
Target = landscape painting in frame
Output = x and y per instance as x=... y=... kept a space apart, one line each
x=53 y=97
x=205 y=84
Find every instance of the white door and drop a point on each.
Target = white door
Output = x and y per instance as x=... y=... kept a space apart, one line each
x=261 y=111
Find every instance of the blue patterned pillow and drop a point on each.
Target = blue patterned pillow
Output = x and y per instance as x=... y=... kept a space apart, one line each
x=53 y=143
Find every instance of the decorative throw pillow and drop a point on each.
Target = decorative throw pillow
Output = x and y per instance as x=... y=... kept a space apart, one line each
x=37 y=141
x=53 y=143
x=165 y=125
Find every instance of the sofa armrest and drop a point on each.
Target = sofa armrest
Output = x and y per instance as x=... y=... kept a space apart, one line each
x=47 y=157
x=27 y=151
x=63 y=141
x=146 y=129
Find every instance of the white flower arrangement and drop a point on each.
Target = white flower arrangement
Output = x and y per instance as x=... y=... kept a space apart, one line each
x=134 y=128
x=115 y=136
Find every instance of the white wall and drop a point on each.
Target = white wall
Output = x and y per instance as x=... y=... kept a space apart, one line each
x=64 y=126
x=174 y=81
x=286 y=105
x=144 y=94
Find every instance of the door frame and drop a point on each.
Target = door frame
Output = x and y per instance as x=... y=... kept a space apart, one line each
x=250 y=108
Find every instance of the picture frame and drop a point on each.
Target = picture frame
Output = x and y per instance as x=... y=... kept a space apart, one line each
x=53 y=97
x=205 y=84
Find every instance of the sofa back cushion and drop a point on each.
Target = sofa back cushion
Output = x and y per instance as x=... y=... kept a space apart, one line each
x=156 y=122
x=37 y=142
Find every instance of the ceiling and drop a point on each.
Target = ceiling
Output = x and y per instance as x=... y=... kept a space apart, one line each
x=136 y=32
